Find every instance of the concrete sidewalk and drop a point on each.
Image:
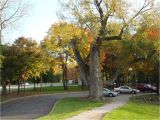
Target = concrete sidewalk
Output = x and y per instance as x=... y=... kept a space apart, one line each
x=98 y=113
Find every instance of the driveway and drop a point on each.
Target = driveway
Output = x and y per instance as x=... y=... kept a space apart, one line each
x=30 y=108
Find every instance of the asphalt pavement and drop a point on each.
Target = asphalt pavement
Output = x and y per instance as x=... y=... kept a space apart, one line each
x=30 y=108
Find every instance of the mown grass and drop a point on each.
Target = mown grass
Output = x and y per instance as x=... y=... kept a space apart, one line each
x=56 y=89
x=44 y=90
x=68 y=107
x=135 y=109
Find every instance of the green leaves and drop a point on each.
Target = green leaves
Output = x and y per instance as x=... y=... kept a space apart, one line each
x=25 y=59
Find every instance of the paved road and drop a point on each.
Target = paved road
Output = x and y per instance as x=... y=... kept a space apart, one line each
x=30 y=108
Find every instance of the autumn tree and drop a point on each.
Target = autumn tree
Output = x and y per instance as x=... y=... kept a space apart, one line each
x=10 y=12
x=23 y=60
x=142 y=51
x=96 y=14
x=57 y=42
x=31 y=61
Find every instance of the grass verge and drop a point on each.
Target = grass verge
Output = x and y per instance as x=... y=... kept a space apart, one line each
x=136 y=109
x=69 y=107
x=45 y=90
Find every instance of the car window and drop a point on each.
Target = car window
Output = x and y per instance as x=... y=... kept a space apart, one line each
x=105 y=89
x=124 y=87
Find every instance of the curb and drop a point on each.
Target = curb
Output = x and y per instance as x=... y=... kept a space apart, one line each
x=51 y=110
x=35 y=96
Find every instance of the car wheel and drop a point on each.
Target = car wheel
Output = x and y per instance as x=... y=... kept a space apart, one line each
x=119 y=92
x=133 y=92
x=110 y=95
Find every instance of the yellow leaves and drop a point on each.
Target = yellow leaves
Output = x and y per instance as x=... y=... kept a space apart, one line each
x=65 y=31
x=90 y=39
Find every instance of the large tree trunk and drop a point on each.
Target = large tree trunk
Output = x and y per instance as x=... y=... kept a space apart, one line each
x=96 y=86
x=83 y=69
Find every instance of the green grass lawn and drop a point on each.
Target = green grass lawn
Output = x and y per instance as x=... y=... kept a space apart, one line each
x=57 y=89
x=68 y=107
x=45 y=90
x=135 y=110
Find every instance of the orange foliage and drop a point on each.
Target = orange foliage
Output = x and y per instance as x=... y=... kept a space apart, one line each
x=153 y=33
x=103 y=57
x=90 y=39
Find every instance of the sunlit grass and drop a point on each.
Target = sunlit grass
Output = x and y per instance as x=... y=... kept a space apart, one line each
x=68 y=107
x=135 y=110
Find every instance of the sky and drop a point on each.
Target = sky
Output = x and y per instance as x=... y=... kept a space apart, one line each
x=40 y=15
x=37 y=21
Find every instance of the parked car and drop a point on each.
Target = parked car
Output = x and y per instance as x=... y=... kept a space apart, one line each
x=126 y=89
x=107 y=92
x=146 y=87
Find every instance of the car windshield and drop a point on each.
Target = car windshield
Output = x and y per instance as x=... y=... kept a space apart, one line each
x=106 y=89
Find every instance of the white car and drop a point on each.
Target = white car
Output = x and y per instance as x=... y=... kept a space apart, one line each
x=126 y=89
x=107 y=92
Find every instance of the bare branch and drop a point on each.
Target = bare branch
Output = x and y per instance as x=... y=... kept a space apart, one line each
x=99 y=8
x=12 y=16
x=4 y=5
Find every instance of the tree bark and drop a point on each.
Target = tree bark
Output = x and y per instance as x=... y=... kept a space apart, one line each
x=3 y=82
x=64 y=74
x=83 y=69
x=41 y=83
x=96 y=86
x=34 y=84
x=3 y=87
x=18 y=87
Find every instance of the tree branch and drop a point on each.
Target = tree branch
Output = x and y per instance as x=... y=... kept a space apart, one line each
x=12 y=16
x=119 y=37
x=99 y=9
x=3 y=6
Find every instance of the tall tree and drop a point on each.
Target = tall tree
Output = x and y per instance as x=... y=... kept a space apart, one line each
x=96 y=14
x=10 y=12
x=31 y=61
